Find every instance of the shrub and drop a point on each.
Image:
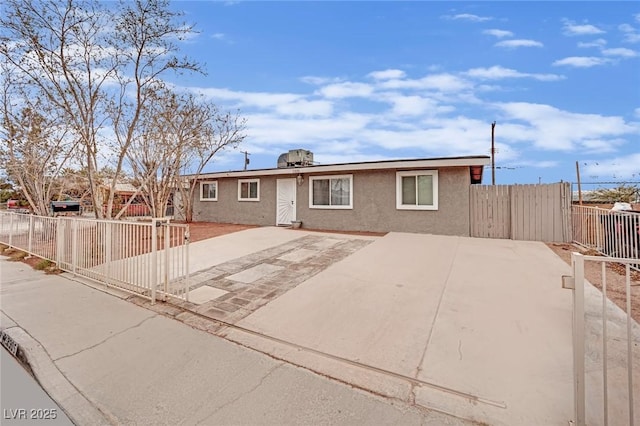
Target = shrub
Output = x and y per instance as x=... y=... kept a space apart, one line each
x=17 y=255
x=43 y=264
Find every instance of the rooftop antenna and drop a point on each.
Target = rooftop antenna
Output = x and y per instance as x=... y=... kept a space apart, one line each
x=246 y=159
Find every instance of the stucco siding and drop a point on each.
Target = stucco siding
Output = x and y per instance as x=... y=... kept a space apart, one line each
x=374 y=206
x=229 y=210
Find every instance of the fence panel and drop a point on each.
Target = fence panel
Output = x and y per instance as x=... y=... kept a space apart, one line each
x=490 y=211
x=521 y=212
x=612 y=233
x=142 y=257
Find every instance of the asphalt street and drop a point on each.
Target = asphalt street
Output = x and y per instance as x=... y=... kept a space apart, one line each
x=22 y=400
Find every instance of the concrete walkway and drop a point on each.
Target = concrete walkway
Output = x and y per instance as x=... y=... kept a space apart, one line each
x=108 y=361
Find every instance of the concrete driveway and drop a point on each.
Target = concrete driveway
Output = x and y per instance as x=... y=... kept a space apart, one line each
x=477 y=328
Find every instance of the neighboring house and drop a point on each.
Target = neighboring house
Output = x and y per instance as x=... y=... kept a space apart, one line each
x=428 y=195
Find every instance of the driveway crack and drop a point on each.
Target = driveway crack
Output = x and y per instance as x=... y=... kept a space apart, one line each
x=107 y=338
x=435 y=317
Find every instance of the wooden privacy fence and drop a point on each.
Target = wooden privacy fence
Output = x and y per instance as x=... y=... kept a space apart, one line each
x=521 y=212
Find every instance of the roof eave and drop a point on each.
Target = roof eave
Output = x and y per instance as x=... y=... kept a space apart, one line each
x=352 y=167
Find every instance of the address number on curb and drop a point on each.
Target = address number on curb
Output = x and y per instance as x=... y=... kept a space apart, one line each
x=8 y=342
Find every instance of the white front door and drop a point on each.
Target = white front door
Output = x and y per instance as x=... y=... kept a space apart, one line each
x=286 y=202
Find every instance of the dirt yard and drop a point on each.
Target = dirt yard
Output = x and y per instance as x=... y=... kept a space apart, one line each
x=616 y=283
x=199 y=231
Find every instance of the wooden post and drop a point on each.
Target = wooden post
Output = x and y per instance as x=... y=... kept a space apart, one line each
x=579 y=186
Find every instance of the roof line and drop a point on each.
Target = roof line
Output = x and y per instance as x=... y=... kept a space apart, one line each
x=480 y=160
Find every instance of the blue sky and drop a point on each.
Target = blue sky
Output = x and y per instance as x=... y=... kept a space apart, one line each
x=359 y=81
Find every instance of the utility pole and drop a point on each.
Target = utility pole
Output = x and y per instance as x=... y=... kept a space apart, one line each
x=246 y=159
x=579 y=185
x=493 y=154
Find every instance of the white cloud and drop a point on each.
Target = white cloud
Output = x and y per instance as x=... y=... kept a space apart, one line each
x=601 y=146
x=620 y=51
x=437 y=136
x=572 y=29
x=637 y=112
x=387 y=74
x=218 y=36
x=441 y=82
x=347 y=89
x=581 y=61
x=468 y=17
x=318 y=81
x=268 y=129
x=550 y=128
x=543 y=164
x=306 y=108
x=498 y=33
x=630 y=34
x=414 y=105
x=627 y=167
x=251 y=99
x=512 y=44
x=497 y=72
x=595 y=43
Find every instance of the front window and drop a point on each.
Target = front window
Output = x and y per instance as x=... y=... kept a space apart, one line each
x=209 y=191
x=331 y=192
x=249 y=190
x=417 y=190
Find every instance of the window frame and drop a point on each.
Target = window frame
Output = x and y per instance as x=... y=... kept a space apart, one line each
x=329 y=178
x=209 y=182
x=249 y=181
x=415 y=173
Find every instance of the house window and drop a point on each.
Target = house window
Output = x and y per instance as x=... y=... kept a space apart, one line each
x=209 y=191
x=417 y=190
x=249 y=190
x=331 y=192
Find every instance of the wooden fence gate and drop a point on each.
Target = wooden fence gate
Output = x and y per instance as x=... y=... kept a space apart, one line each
x=521 y=212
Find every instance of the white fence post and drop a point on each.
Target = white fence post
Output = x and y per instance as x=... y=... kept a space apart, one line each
x=59 y=242
x=167 y=246
x=30 y=243
x=154 y=259
x=74 y=247
x=11 y=230
x=107 y=256
x=187 y=236
x=578 y=338
x=629 y=344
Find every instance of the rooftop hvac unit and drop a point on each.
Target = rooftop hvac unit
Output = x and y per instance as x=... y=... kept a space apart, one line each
x=295 y=158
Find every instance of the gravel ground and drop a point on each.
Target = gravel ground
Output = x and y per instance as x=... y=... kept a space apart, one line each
x=616 y=282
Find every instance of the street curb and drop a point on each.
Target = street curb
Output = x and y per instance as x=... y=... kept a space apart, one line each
x=33 y=356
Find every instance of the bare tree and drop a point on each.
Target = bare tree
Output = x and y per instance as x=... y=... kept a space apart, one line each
x=36 y=146
x=181 y=134
x=97 y=64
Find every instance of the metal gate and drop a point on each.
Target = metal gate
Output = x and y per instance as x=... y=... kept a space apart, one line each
x=606 y=348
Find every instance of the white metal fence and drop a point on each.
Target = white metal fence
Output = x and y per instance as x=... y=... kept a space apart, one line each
x=613 y=233
x=147 y=258
x=606 y=365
